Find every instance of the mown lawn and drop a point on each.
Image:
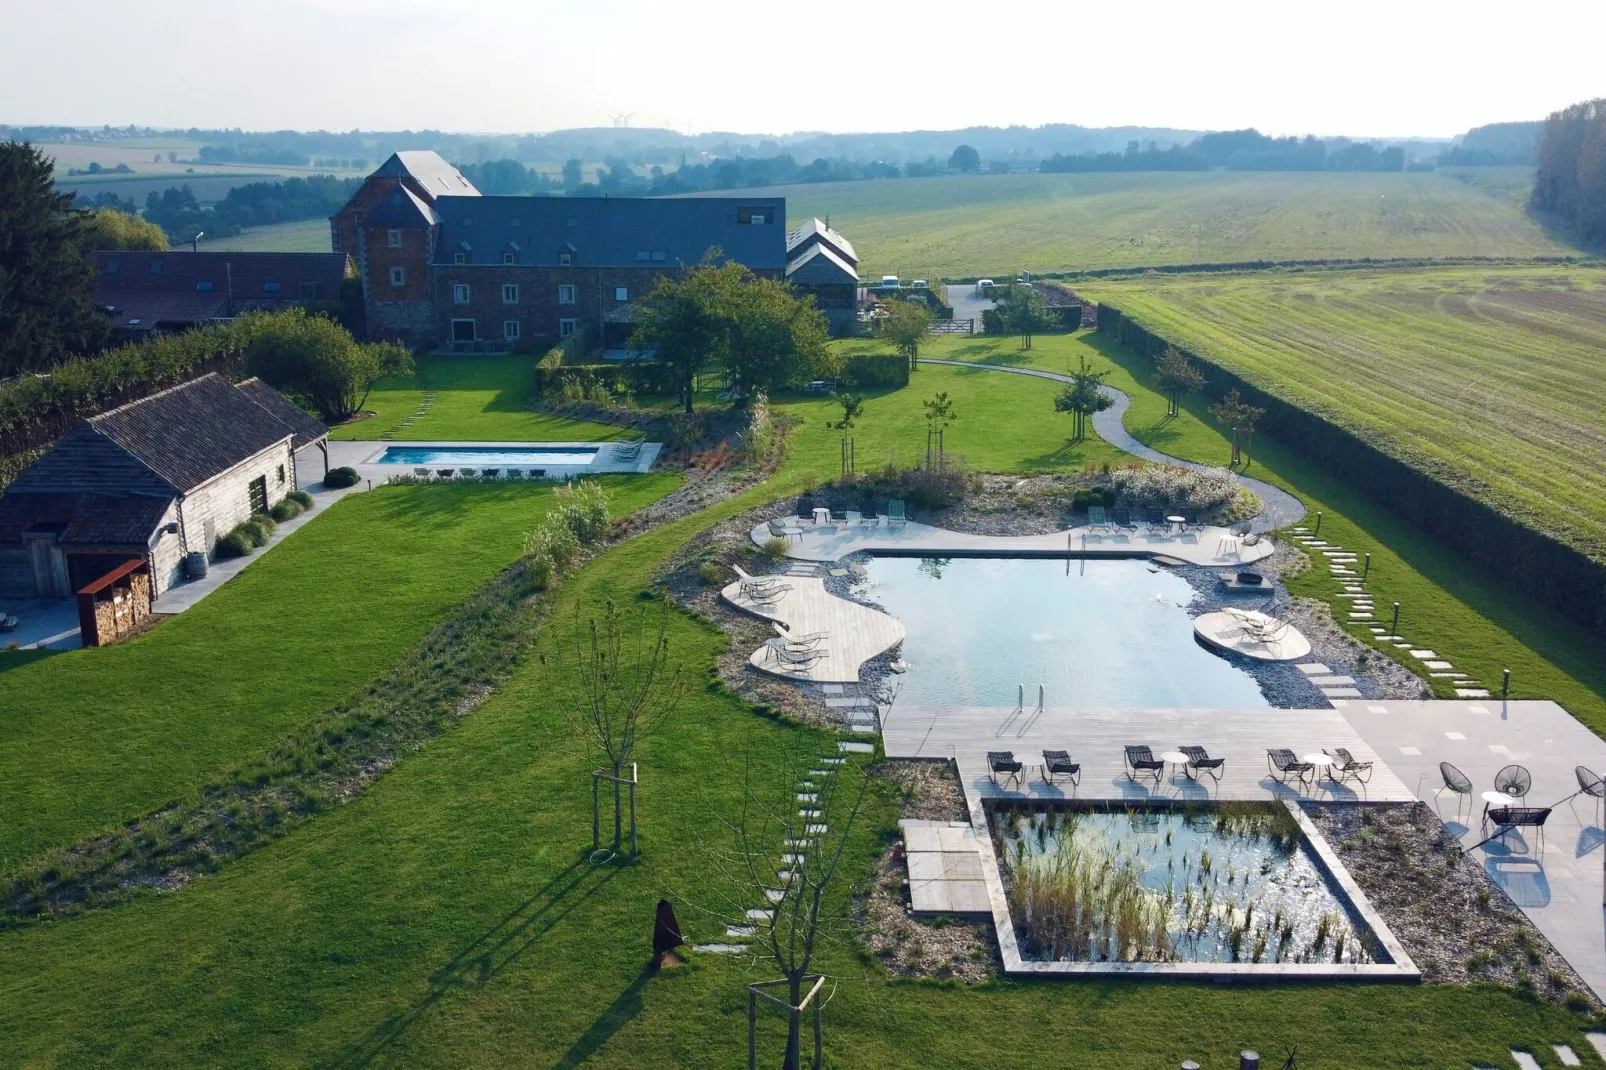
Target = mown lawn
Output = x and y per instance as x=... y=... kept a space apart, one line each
x=483 y=399
x=997 y=225
x=90 y=737
x=447 y=918
x=1488 y=377
x=1447 y=603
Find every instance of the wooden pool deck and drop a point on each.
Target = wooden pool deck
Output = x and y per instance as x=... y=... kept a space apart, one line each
x=853 y=633
x=1097 y=737
x=833 y=541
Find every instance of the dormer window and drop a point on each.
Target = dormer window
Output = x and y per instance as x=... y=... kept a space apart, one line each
x=156 y=265
x=753 y=216
x=510 y=258
x=459 y=258
x=270 y=287
x=643 y=254
x=204 y=286
x=112 y=265
x=565 y=259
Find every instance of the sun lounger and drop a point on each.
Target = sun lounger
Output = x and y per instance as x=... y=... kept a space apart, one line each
x=805 y=508
x=1139 y=759
x=1345 y=765
x=467 y=473
x=1003 y=761
x=1199 y=761
x=1096 y=520
x=795 y=660
x=490 y=473
x=896 y=513
x=757 y=581
x=1156 y=521
x=1122 y=519
x=764 y=594
x=781 y=531
x=870 y=513
x=1283 y=765
x=804 y=641
x=1058 y=763
x=446 y=473
x=515 y=473
x=422 y=473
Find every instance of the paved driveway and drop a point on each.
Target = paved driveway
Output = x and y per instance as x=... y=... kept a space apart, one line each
x=966 y=304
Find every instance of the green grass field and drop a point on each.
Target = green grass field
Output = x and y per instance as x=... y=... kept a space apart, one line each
x=301 y=236
x=1489 y=377
x=998 y=224
x=92 y=736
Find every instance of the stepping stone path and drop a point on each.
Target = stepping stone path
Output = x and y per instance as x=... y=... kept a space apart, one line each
x=428 y=402
x=1362 y=612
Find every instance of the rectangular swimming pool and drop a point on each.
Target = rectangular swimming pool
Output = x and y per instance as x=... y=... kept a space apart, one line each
x=1099 y=634
x=489 y=456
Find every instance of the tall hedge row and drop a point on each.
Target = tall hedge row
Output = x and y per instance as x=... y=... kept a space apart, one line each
x=875 y=369
x=1530 y=560
x=641 y=376
x=35 y=410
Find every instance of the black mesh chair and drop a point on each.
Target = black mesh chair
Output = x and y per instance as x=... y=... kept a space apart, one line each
x=1284 y=766
x=870 y=512
x=1139 y=759
x=1058 y=763
x=1457 y=781
x=1514 y=781
x=1345 y=765
x=1199 y=761
x=1590 y=784
x=1003 y=761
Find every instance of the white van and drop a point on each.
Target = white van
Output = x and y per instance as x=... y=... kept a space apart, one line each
x=889 y=281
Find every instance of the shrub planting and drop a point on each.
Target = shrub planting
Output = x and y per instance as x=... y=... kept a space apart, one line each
x=286 y=509
x=237 y=543
x=344 y=476
x=301 y=498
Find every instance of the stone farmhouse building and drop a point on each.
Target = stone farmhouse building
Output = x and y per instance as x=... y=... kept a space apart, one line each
x=147 y=292
x=445 y=268
x=149 y=482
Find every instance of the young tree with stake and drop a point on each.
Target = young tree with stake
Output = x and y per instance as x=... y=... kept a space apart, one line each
x=1083 y=396
x=1174 y=375
x=623 y=689
x=939 y=414
x=1233 y=411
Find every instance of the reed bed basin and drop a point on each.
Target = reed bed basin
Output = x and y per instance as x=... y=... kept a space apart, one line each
x=1223 y=883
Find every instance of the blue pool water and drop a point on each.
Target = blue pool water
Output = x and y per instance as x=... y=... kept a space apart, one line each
x=1094 y=634
x=489 y=456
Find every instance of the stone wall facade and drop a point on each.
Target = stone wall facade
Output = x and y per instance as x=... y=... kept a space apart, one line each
x=211 y=510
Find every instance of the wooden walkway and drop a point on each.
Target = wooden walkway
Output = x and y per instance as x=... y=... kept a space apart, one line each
x=853 y=633
x=833 y=541
x=1097 y=738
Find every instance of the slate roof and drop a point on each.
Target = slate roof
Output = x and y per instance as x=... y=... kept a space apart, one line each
x=192 y=432
x=84 y=461
x=819 y=263
x=83 y=521
x=816 y=231
x=427 y=168
x=401 y=207
x=612 y=231
x=308 y=428
x=148 y=288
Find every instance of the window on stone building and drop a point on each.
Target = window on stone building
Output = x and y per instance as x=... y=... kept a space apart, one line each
x=565 y=259
x=398 y=276
x=510 y=258
x=565 y=328
x=755 y=216
x=621 y=293
x=459 y=258
x=510 y=330
x=462 y=330
x=460 y=294
x=510 y=293
x=393 y=236
x=566 y=293
x=281 y=475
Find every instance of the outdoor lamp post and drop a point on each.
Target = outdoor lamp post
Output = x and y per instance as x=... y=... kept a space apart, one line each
x=1394 y=629
x=1367 y=570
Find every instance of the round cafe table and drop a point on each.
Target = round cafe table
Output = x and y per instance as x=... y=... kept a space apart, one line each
x=1176 y=523
x=1497 y=800
x=1176 y=758
x=822 y=515
x=1322 y=763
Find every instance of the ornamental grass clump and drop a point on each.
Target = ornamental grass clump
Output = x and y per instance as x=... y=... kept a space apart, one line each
x=1169 y=487
x=578 y=518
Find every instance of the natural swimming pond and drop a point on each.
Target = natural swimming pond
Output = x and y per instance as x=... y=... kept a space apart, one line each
x=489 y=456
x=1231 y=883
x=1093 y=633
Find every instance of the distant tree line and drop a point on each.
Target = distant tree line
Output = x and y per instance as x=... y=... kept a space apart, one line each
x=256 y=204
x=1570 y=181
x=1238 y=150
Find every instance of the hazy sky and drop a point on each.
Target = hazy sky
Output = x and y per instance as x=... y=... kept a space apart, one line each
x=1359 y=67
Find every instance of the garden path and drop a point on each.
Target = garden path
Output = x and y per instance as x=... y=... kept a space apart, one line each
x=1281 y=507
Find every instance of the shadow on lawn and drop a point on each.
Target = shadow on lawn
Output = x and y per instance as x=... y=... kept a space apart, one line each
x=609 y=1022
x=492 y=952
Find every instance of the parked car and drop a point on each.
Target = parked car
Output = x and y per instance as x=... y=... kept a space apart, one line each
x=984 y=286
x=918 y=284
x=889 y=281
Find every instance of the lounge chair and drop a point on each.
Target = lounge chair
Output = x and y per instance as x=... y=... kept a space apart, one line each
x=759 y=581
x=422 y=473
x=490 y=473
x=1058 y=763
x=805 y=508
x=870 y=513
x=1199 y=761
x=1345 y=766
x=839 y=516
x=1283 y=765
x=1122 y=519
x=1003 y=761
x=627 y=451
x=538 y=473
x=1139 y=759
x=896 y=513
x=1096 y=520
x=515 y=473
x=805 y=641
x=764 y=594
x=1158 y=524
x=1193 y=525
x=796 y=660
x=781 y=531
x=467 y=473
x=446 y=473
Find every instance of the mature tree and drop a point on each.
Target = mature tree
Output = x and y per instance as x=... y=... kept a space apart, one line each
x=623 y=689
x=964 y=158
x=905 y=324
x=1083 y=396
x=1241 y=416
x=1175 y=376
x=680 y=325
x=317 y=360
x=1570 y=176
x=107 y=228
x=571 y=174
x=1023 y=311
x=46 y=287
x=783 y=860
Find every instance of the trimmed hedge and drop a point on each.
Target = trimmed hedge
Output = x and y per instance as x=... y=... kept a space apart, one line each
x=875 y=369
x=641 y=376
x=344 y=476
x=1530 y=560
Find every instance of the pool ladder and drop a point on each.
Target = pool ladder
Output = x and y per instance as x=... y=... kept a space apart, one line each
x=1020 y=698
